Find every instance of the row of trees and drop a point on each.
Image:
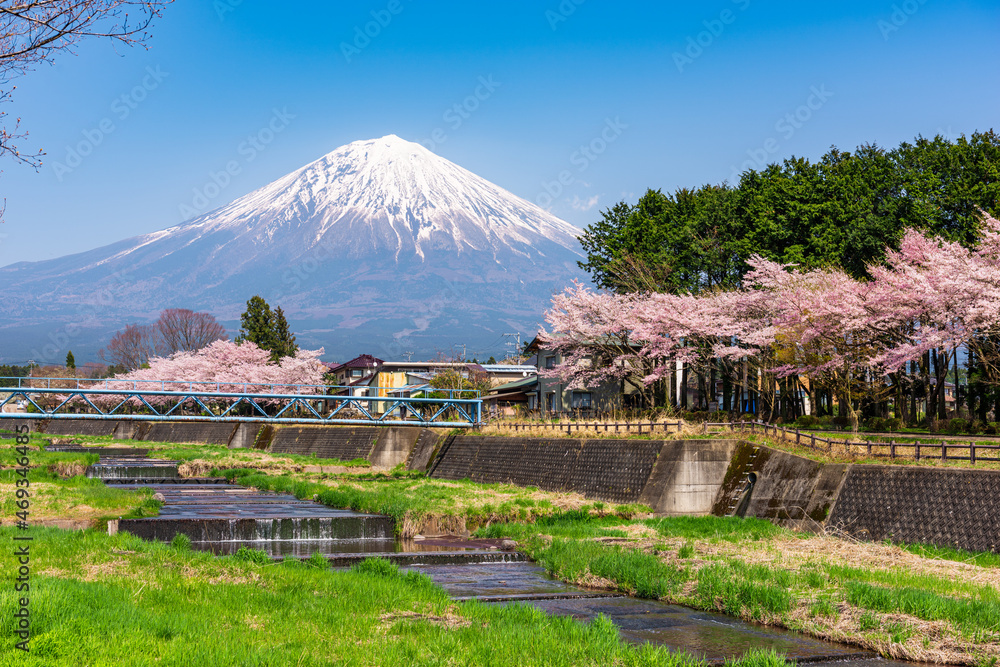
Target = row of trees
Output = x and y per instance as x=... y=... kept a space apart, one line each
x=847 y=338
x=176 y=330
x=183 y=330
x=843 y=211
x=846 y=213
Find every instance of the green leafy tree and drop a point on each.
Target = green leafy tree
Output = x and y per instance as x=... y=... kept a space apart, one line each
x=266 y=329
x=70 y=360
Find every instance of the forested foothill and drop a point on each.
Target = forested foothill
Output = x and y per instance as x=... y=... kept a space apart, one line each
x=843 y=239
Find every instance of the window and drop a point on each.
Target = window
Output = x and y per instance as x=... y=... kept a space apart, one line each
x=357 y=372
x=550 y=362
x=550 y=402
x=581 y=400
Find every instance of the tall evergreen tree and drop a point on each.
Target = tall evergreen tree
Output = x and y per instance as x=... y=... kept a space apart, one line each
x=266 y=329
x=70 y=360
x=284 y=340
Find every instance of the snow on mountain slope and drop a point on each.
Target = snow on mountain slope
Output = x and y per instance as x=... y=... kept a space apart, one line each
x=368 y=233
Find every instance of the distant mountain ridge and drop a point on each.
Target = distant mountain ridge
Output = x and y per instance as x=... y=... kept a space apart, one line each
x=379 y=246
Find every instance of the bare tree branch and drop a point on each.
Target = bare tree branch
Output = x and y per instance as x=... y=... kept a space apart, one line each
x=32 y=33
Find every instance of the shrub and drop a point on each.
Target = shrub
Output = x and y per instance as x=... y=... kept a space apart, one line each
x=377 y=566
x=992 y=428
x=318 y=561
x=807 y=421
x=892 y=424
x=181 y=542
x=255 y=556
x=876 y=424
x=841 y=422
x=957 y=425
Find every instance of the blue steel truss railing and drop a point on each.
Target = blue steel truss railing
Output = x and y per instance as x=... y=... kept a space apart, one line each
x=205 y=406
x=10 y=383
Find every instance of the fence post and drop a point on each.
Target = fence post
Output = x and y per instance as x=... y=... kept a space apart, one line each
x=892 y=449
x=944 y=450
x=916 y=451
x=812 y=440
x=972 y=453
x=798 y=437
x=704 y=427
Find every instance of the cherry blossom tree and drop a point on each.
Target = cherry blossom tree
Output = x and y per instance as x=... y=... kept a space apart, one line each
x=846 y=334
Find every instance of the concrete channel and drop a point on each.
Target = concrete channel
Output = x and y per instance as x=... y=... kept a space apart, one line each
x=221 y=517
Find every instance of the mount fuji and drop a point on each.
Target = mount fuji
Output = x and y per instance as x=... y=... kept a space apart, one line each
x=380 y=246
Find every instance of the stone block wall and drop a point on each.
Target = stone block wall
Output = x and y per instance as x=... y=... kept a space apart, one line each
x=210 y=433
x=944 y=507
x=329 y=442
x=612 y=470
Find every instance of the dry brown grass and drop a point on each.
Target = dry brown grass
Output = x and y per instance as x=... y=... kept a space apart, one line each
x=936 y=642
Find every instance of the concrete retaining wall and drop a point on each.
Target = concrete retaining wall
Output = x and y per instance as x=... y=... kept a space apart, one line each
x=329 y=442
x=77 y=427
x=955 y=508
x=790 y=490
x=211 y=433
x=687 y=476
x=946 y=507
x=612 y=470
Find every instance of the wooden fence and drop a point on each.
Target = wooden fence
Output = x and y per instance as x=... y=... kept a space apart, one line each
x=960 y=451
x=626 y=428
x=943 y=450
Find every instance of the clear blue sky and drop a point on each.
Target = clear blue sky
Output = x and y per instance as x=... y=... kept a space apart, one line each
x=680 y=115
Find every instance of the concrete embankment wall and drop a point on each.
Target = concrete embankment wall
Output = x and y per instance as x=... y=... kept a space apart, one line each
x=788 y=489
x=946 y=507
x=943 y=506
x=612 y=470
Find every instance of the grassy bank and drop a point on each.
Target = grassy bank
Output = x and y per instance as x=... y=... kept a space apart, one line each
x=430 y=506
x=919 y=603
x=117 y=600
x=61 y=493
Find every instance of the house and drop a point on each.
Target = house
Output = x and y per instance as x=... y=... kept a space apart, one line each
x=553 y=396
x=355 y=372
x=507 y=399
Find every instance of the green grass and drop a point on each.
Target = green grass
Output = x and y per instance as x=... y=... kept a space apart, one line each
x=77 y=497
x=151 y=604
x=756 y=592
x=980 y=558
x=728 y=528
x=411 y=497
x=971 y=616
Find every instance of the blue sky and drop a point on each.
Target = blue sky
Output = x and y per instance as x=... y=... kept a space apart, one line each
x=661 y=95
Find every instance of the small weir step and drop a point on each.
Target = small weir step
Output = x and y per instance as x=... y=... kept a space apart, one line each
x=711 y=636
x=174 y=481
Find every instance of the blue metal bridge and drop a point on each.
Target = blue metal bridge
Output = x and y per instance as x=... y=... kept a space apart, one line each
x=60 y=398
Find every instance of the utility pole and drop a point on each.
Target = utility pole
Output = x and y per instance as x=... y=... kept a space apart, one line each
x=408 y=355
x=514 y=345
x=463 y=345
